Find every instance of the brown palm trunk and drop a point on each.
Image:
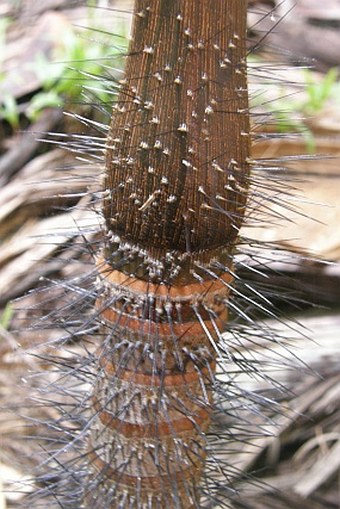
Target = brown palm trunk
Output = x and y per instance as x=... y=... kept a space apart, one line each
x=176 y=185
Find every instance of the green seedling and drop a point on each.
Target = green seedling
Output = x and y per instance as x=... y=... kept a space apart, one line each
x=318 y=93
x=76 y=67
x=79 y=64
x=9 y=111
x=42 y=101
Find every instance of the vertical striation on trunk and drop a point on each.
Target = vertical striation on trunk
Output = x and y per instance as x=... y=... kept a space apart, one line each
x=177 y=150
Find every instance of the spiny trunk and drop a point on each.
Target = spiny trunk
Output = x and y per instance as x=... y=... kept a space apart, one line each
x=176 y=182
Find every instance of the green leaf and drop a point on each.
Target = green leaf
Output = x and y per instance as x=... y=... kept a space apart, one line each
x=6 y=317
x=9 y=111
x=41 y=101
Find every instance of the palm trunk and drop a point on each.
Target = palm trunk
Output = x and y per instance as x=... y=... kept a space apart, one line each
x=176 y=185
